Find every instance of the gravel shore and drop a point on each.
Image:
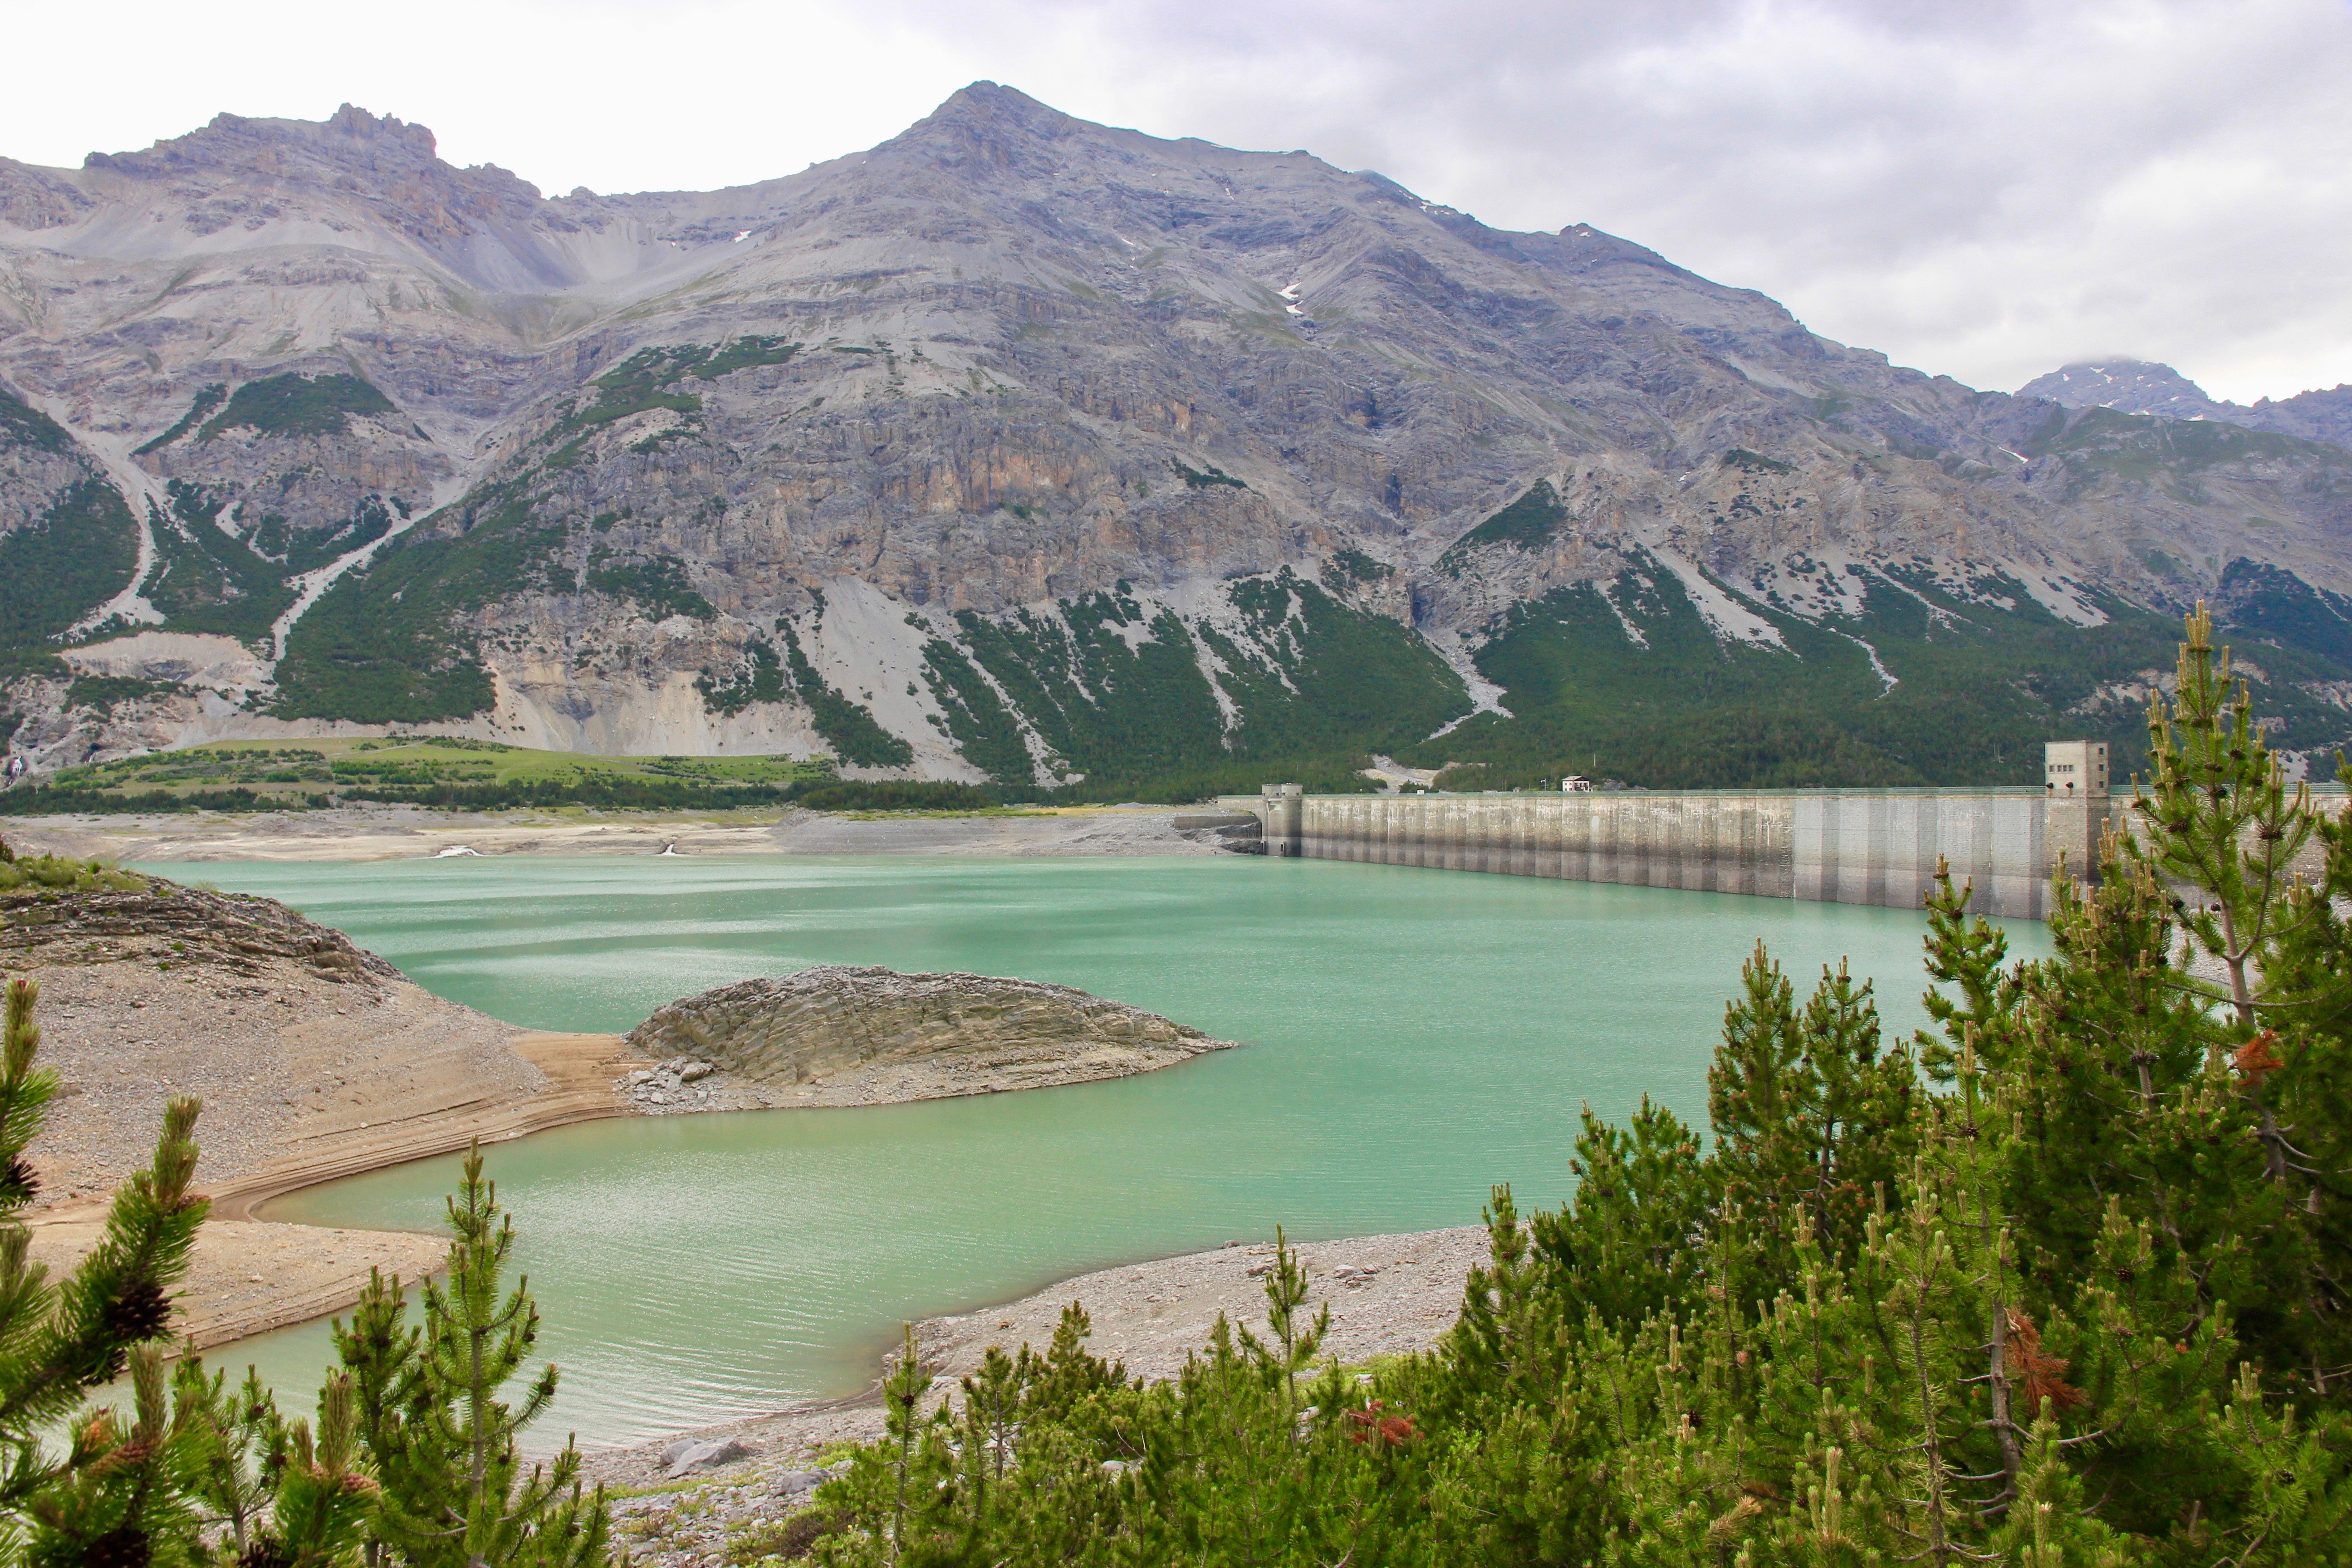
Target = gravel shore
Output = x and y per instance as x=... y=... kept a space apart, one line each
x=405 y=833
x=1389 y=1295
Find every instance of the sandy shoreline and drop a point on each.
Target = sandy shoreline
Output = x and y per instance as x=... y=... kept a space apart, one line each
x=367 y=832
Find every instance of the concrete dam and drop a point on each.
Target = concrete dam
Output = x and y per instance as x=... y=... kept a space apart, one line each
x=1844 y=846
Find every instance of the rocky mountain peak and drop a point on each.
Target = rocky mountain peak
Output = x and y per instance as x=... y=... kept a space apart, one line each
x=2127 y=385
x=987 y=126
x=993 y=104
x=352 y=139
x=258 y=170
x=2145 y=387
x=352 y=120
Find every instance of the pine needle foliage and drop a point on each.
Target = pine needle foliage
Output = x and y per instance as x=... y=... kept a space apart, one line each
x=455 y=1491
x=412 y=1461
x=2060 y=1280
x=59 y=1340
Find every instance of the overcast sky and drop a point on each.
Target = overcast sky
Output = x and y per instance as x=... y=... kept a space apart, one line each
x=1979 y=188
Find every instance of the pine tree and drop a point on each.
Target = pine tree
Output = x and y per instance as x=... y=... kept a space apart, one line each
x=237 y=1449
x=902 y=1397
x=1622 y=1247
x=323 y=1500
x=276 y=1497
x=2206 y=1086
x=379 y=1352
x=454 y=1493
x=1806 y=1110
x=117 y=1502
x=1296 y=1338
x=60 y=1340
x=1758 y=1088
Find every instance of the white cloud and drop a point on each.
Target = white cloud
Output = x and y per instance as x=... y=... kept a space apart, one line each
x=1983 y=190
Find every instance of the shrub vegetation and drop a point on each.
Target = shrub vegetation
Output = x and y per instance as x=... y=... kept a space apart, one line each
x=207 y=399
x=78 y=556
x=1527 y=523
x=293 y=405
x=894 y=794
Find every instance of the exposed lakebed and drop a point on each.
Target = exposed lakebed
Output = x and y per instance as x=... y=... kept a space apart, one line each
x=1409 y=1036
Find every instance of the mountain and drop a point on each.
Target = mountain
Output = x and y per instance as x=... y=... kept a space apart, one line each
x=1024 y=449
x=2130 y=386
x=2139 y=386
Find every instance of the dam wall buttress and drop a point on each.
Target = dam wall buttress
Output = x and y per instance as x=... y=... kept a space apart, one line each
x=1858 y=846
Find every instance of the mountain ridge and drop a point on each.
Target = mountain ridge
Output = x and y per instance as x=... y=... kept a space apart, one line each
x=1023 y=449
x=2145 y=387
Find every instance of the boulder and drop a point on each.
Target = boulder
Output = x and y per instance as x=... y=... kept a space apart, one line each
x=687 y=1457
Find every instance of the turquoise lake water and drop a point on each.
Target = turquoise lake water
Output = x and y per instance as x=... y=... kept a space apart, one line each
x=1410 y=1038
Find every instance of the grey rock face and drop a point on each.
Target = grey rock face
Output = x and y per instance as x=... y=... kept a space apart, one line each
x=1238 y=831
x=897 y=1035
x=603 y=463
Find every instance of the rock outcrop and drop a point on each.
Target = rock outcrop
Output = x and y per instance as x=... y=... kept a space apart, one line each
x=174 y=927
x=837 y=1034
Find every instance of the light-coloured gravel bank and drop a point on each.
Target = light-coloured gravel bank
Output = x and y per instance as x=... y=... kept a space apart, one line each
x=402 y=833
x=1389 y=1295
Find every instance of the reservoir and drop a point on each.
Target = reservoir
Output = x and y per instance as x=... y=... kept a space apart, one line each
x=1410 y=1038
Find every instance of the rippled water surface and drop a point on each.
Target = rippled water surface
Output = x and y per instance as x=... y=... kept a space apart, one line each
x=1409 y=1036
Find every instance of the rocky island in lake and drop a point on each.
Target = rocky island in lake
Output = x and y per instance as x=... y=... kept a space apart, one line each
x=842 y=1034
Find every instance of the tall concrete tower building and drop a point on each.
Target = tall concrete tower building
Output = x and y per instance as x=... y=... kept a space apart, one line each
x=2074 y=776
x=2075 y=767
